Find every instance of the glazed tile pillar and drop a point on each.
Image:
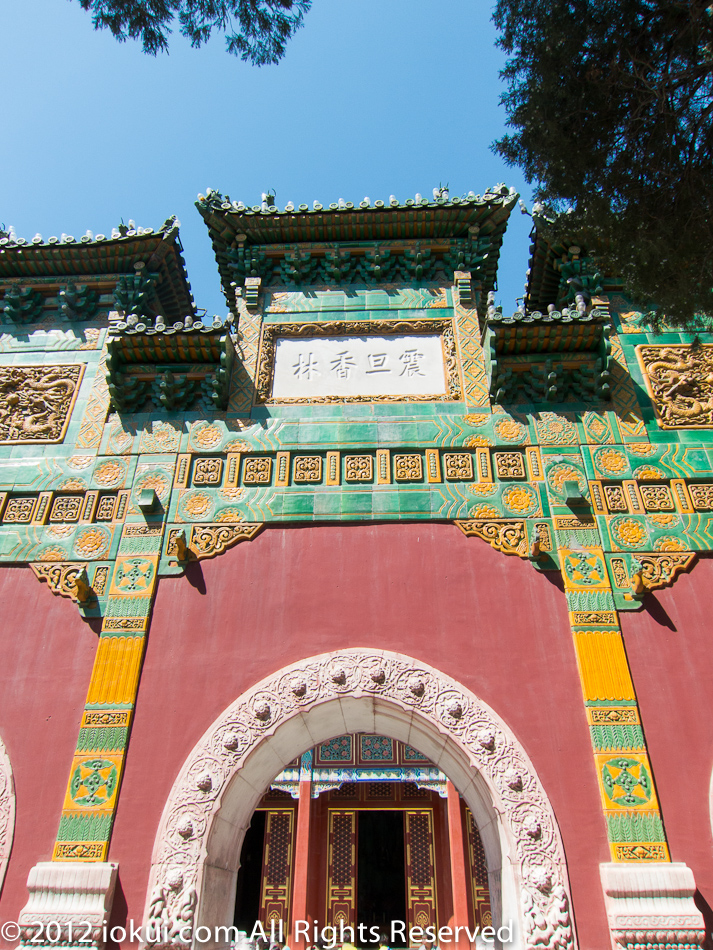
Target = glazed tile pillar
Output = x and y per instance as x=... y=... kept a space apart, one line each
x=649 y=900
x=79 y=866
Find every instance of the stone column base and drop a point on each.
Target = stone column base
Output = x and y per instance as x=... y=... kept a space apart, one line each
x=651 y=906
x=71 y=902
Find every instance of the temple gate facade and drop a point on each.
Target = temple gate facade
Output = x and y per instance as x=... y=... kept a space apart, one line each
x=366 y=602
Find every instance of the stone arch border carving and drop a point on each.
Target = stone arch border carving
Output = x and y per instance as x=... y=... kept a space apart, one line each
x=197 y=846
x=7 y=811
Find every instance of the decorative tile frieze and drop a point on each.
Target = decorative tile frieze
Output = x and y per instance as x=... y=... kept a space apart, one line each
x=659 y=497
x=615 y=498
x=358 y=468
x=19 y=510
x=509 y=464
x=257 y=470
x=66 y=508
x=282 y=469
x=207 y=471
x=408 y=468
x=383 y=467
x=458 y=466
x=701 y=496
x=678 y=380
x=38 y=400
x=433 y=465
x=332 y=475
x=307 y=468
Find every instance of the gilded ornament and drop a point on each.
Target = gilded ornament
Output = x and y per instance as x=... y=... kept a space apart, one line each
x=650 y=473
x=553 y=429
x=664 y=521
x=642 y=449
x=308 y=468
x=36 y=401
x=206 y=436
x=160 y=437
x=209 y=540
x=701 y=496
x=477 y=420
x=562 y=472
x=50 y=553
x=680 y=382
x=669 y=543
x=92 y=543
x=207 y=471
x=72 y=484
x=520 y=499
x=485 y=511
x=509 y=464
x=611 y=461
x=660 y=570
x=476 y=441
x=458 y=466
x=238 y=445
x=61 y=578
x=509 y=430
x=358 y=468
x=229 y=515
x=615 y=498
x=510 y=537
x=66 y=508
x=483 y=488
x=159 y=481
x=628 y=532
x=60 y=530
x=80 y=461
x=231 y=494
x=657 y=497
x=257 y=470
x=105 y=508
x=196 y=504
x=408 y=468
x=110 y=473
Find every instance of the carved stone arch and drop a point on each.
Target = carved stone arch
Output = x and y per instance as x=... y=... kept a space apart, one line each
x=197 y=847
x=7 y=811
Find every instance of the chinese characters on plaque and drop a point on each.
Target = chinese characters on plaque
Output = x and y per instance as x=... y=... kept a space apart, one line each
x=403 y=365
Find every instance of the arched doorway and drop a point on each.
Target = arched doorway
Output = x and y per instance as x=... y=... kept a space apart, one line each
x=194 y=867
x=363 y=834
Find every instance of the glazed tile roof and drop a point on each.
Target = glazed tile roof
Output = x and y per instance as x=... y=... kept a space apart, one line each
x=437 y=221
x=544 y=281
x=91 y=255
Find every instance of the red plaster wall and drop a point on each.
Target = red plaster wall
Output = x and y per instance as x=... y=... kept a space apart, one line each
x=426 y=590
x=670 y=649
x=46 y=657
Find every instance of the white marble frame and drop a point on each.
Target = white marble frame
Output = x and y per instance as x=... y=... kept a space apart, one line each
x=197 y=847
x=7 y=811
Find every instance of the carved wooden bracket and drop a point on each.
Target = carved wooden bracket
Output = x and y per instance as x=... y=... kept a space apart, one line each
x=209 y=540
x=510 y=537
x=661 y=570
x=68 y=579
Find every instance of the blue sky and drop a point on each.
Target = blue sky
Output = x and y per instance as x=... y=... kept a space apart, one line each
x=373 y=98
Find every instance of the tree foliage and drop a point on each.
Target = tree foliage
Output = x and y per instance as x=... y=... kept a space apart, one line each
x=255 y=30
x=611 y=102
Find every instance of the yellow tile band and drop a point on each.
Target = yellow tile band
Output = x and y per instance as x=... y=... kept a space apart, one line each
x=603 y=668
x=115 y=675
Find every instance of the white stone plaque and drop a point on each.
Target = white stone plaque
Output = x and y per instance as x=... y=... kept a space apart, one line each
x=389 y=365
